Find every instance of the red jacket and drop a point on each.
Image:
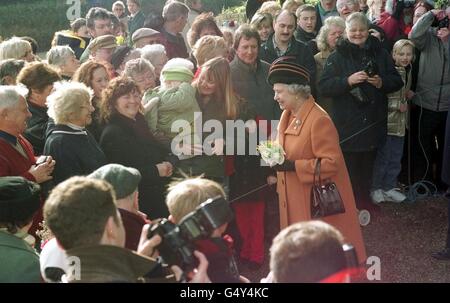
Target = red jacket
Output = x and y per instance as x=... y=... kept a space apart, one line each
x=13 y=163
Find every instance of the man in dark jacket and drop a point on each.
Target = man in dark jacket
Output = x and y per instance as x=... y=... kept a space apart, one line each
x=175 y=16
x=283 y=43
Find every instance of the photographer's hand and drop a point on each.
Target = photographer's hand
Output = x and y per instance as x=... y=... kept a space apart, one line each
x=375 y=81
x=147 y=246
x=200 y=273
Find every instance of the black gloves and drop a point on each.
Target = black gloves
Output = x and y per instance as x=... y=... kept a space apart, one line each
x=286 y=166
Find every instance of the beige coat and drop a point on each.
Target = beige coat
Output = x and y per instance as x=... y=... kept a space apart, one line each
x=315 y=137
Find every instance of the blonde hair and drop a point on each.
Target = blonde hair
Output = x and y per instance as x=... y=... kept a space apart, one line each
x=66 y=100
x=208 y=47
x=218 y=71
x=322 y=37
x=14 y=48
x=401 y=44
x=270 y=7
x=184 y=196
x=290 y=4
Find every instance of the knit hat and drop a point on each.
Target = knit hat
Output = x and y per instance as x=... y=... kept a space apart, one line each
x=284 y=70
x=19 y=199
x=179 y=73
x=124 y=180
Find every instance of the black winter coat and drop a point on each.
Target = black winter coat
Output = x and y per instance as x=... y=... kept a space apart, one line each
x=36 y=127
x=130 y=143
x=75 y=152
x=349 y=115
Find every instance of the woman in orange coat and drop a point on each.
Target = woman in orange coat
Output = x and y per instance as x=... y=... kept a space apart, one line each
x=307 y=133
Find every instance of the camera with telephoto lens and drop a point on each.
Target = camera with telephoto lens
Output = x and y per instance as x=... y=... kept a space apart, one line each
x=177 y=245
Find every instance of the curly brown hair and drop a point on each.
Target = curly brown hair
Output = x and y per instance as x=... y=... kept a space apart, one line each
x=202 y=21
x=85 y=72
x=117 y=88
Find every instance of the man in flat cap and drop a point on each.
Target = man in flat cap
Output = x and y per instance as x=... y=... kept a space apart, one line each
x=145 y=36
x=19 y=201
x=125 y=181
x=102 y=48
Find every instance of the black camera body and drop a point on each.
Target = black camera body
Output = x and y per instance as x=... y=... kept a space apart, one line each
x=371 y=68
x=443 y=23
x=177 y=245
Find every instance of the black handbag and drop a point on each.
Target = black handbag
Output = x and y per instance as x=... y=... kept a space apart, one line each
x=325 y=197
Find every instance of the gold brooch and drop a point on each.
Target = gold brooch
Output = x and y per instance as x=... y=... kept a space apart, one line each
x=297 y=123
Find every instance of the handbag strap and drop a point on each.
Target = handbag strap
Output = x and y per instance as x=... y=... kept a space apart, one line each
x=317 y=172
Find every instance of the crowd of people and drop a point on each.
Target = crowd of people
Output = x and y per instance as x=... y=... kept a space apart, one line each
x=112 y=139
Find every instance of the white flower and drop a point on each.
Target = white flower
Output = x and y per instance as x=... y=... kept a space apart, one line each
x=271 y=152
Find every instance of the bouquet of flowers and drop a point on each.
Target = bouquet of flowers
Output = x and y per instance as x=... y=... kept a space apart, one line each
x=271 y=152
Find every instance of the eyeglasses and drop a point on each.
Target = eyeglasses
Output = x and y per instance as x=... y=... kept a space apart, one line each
x=103 y=26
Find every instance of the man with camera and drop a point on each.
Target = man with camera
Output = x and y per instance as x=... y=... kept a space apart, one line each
x=82 y=214
x=431 y=34
x=199 y=208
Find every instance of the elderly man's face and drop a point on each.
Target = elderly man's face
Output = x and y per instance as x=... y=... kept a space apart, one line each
x=328 y=5
x=17 y=117
x=346 y=7
x=284 y=27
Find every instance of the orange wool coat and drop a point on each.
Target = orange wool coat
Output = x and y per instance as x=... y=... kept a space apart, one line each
x=315 y=137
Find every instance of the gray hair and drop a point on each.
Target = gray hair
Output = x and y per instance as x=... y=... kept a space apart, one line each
x=10 y=95
x=58 y=55
x=357 y=17
x=151 y=52
x=14 y=48
x=296 y=89
x=138 y=66
x=10 y=68
x=173 y=10
x=322 y=43
x=66 y=100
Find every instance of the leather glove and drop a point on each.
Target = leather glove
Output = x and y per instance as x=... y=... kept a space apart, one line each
x=287 y=165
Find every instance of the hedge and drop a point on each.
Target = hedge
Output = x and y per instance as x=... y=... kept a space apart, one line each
x=40 y=19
